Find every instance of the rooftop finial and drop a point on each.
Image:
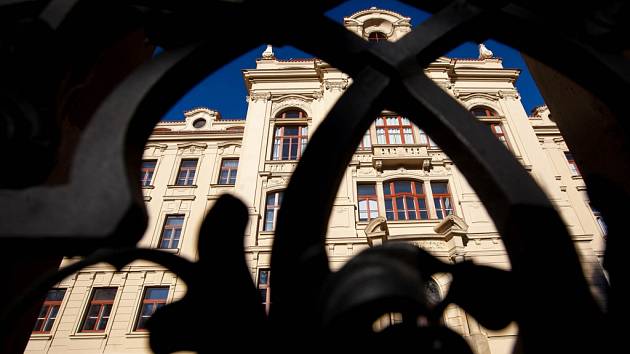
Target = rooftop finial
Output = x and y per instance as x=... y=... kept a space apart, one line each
x=484 y=53
x=268 y=53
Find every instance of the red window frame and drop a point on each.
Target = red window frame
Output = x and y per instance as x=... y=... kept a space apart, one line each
x=362 y=197
x=573 y=167
x=272 y=205
x=499 y=132
x=403 y=123
x=283 y=144
x=377 y=36
x=483 y=111
x=366 y=141
x=292 y=113
x=228 y=172
x=414 y=203
x=153 y=304
x=264 y=287
x=146 y=172
x=172 y=224
x=443 y=202
x=186 y=174
x=103 y=312
x=49 y=311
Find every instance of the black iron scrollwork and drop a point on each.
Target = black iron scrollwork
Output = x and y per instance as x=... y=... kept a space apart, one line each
x=99 y=204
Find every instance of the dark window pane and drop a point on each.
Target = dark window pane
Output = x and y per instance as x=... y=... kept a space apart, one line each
x=366 y=189
x=439 y=188
x=89 y=323
x=105 y=294
x=402 y=187
x=43 y=311
x=55 y=294
x=156 y=293
x=93 y=311
x=263 y=276
x=142 y=323
x=189 y=163
x=386 y=190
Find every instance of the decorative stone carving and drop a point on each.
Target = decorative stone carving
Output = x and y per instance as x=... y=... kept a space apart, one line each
x=453 y=229
x=377 y=231
x=256 y=96
x=191 y=147
x=484 y=53
x=339 y=84
x=287 y=101
x=268 y=53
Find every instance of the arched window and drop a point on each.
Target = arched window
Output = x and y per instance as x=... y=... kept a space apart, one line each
x=377 y=37
x=483 y=111
x=495 y=126
x=292 y=113
x=405 y=200
x=432 y=292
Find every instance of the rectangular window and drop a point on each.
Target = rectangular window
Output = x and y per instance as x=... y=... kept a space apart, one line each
x=289 y=142
x=441 y=199
x=600 y=220
x=264 y=281
x=497 y=130
x=272 y=206
x=405 y=200
x=186 y=174
x=172 y=231
x=229 y=168
x=48 y=312
x=368 y=204
x=146 y=173
x=366 y=142
x=153 y=299
x=99 y=310
x=394 y=130
x=572 y=165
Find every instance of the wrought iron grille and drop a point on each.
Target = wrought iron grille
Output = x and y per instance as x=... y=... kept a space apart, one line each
x=80 y=94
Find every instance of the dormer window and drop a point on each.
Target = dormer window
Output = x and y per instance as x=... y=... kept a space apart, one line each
x=377 y=37
x=292 y=113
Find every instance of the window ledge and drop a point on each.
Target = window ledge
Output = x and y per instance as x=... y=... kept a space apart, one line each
x=169 y=250
x=148 y=187
x=81 y=335
x=137 y=334
x=41 y=336
x=182 y=186
x=266 y=233
x=577 y=177
x=221 y=185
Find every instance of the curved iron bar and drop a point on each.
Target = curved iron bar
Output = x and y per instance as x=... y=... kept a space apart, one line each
x=116 y=257
x=508 y=193
x=116 y=134
x=240 y=308
x=381 y=77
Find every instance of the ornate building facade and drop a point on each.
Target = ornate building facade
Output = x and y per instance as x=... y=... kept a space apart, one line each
x=399 y=187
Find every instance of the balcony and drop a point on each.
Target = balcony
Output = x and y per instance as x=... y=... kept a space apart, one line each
x=395 y=156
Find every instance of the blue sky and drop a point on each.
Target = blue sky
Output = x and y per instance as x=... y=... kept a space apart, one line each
x=224 y=90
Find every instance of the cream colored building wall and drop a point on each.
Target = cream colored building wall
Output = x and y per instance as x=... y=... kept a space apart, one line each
x=314 y=86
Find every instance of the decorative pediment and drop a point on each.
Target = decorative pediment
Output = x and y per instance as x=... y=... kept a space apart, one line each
x=451 y=223
x=156 y=146
x=229 y=149
x=287 y=101
x=468 y=96
x=377 y=231
x=192 y=147
x=453 y=229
